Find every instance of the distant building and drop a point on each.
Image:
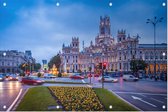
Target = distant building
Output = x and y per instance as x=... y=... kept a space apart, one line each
x=11 y=60
x=45 y=65
x=117 y=54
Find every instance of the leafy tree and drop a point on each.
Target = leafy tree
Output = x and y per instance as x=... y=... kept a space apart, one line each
x=55 y=60
x=37 y=66
x=79 y=71
x=30 y=66
x=136 y=65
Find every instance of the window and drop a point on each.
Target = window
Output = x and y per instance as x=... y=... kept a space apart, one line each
x=76 y=67
x=120 y=65
x=156 y=57
x=151 y=57
x=146 y=57
x=125 y=57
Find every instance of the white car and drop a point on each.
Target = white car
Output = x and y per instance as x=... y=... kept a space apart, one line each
x=49 y=76
x=129 y=78
x=108 y=79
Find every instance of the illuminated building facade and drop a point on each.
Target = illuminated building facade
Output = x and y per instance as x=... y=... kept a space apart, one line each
x=117 y=54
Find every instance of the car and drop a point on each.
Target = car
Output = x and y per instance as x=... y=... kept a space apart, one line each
x=2 y=77
x=129 y=78
x=76 y=76
x=91 y=75
x=49 y=76
x=107 y=79
x=13 y=77
x=31 y=81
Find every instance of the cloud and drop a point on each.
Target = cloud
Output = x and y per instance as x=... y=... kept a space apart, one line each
x=46 y=28
x=43 y=28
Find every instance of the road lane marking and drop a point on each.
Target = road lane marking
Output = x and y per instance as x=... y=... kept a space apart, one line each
x=126 y=101
x=15 y=100
x=141 y=93
x=140 y=99
x=157 y=100
x=83 y=81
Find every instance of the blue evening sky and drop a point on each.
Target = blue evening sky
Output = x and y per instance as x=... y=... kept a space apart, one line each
x=42 y=27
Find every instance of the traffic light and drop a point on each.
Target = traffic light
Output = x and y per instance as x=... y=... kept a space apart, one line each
x=104 y=65
x=100 y=65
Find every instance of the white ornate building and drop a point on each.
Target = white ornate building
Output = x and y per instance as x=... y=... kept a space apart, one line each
x=117 y=54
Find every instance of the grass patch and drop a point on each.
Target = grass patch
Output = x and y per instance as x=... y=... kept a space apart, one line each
x=36 y=99
x=108 y=98
x=65 y=82
x=39 y=98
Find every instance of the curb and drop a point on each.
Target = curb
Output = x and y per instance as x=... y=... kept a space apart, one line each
x=19 y=100
x=125 y=100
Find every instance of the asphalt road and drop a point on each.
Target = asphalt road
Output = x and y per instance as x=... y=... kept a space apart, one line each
x=8 y=93
x=147 y=95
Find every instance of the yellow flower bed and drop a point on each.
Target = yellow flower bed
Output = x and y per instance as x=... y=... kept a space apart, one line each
x=77 y=98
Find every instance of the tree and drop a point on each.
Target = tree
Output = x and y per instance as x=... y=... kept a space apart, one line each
x=55 y=60
x=30 y=66
x=37 y=66
x=136 y=65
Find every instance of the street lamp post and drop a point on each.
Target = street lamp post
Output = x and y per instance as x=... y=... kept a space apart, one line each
x=102 y=72
x=163 y=54
x=90 y=67
x=154 y=22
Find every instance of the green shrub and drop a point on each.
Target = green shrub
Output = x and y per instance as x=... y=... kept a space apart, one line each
x=59 y=75
x=22 y=74
x=39 y=74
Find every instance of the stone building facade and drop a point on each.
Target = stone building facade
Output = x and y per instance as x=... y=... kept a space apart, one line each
x=11 y=60
x=116 y=53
